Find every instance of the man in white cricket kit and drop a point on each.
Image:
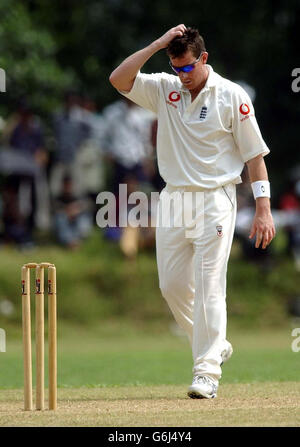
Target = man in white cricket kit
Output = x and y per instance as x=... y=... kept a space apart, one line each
x=207 y=131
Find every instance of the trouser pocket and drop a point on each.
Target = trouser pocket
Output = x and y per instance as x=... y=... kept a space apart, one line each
x=229 y=193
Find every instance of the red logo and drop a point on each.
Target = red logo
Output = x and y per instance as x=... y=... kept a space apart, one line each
x=219 y=230
x=244 y=109
x=174 y=96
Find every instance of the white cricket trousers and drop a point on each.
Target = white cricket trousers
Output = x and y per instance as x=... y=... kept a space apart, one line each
x=192 y=272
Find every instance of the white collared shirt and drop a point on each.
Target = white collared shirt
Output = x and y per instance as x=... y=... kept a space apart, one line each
x=203 y=143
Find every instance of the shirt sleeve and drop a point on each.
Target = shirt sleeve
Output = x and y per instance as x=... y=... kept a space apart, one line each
x=145 y=91
x=246 y=132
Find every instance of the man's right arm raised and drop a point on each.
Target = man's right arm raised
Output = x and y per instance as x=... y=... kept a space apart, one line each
x=123 y=77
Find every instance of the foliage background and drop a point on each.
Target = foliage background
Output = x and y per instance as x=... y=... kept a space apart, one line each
x=47 y=46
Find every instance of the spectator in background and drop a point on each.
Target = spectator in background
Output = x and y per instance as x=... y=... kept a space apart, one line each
x=70 y=130
x=27 y=188
x=27 y=134
x=89 y=158
x=290 y=203
x=245 y=214
x=72 y=216
x=127 y=141
x=151 y=163
x=16 y=226
x=127 y=144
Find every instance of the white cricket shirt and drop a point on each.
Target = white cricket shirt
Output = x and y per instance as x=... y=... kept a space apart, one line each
x=203 y=143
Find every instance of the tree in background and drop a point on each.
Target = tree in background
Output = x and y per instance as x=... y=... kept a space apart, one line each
x=47 y=45
x=28 y=55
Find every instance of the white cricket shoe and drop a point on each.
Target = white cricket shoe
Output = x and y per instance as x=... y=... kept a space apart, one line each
x=227 y=353
x=202 y=387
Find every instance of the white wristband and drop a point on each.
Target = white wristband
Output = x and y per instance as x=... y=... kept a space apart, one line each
x=261 y=188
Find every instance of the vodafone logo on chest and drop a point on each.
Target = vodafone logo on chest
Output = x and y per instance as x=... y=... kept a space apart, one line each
x=172 y=98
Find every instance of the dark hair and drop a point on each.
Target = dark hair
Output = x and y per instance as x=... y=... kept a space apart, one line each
x=191 y=40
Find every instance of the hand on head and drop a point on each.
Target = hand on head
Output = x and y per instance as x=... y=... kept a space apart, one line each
x=177 y=31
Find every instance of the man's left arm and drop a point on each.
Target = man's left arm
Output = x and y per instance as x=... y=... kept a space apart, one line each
x=263 y=225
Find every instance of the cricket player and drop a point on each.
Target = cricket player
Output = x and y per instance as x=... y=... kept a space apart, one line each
x=207 y=131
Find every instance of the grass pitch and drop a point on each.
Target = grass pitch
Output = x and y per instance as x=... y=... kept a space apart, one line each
x=116 y=375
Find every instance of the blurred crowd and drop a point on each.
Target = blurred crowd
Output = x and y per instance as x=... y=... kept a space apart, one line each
x=286 y=215
x=51 y=173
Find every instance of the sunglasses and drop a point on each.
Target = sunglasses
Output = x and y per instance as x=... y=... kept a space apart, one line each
x=185 y=68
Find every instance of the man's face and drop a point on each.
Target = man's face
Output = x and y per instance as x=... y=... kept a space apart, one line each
x=195 y=78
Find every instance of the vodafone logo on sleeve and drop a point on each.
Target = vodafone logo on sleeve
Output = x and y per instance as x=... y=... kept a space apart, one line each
x=244 y=109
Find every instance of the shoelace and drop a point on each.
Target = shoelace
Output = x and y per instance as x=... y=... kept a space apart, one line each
x=205 y=380
x=201 y=379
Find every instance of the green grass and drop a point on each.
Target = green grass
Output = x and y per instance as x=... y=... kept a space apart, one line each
x=96 y=283
x=123 y=355
x=114 y=324
x=117 y=375
x=120 y=362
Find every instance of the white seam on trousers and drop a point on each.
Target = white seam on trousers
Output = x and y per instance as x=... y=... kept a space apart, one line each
x=203 y=300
